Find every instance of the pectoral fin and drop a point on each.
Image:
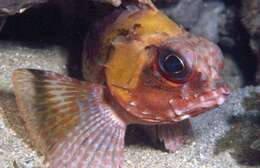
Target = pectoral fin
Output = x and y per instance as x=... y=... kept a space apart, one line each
x=171 y=136
x=68 y=120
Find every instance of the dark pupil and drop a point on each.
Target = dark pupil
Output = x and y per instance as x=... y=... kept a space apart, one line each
x=172 y=64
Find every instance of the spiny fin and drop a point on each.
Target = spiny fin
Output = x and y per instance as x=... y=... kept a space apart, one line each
x=68 y=120
x=172 y=136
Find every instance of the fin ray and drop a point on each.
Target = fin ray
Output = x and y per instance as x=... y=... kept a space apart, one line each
x=68 y=120
x=79 y=140
x=99 y=138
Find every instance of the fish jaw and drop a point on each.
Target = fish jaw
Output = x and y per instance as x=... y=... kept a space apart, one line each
x=158 y=108
x=184 y=109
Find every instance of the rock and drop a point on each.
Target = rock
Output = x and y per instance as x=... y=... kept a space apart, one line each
x=251 y=16
x=231 y=70
x=208 y=23
x=2 y=22
x=251 y=21
x=119 y=2
x=178 y=12
x=198 y=16
x=227 y=27
x=11 y=7
x=255 y=145
x=211 y=130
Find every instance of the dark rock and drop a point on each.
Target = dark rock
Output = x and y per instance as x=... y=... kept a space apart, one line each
x=11 y=7
x=198 y=16
x=113 y=2
x=251 y=16
x=208 y=22
x=179 y=12
x=227 y=26
x=251 y=21
x=2 y=22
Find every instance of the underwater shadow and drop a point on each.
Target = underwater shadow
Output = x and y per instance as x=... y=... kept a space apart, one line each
x=52 y=28
x=243 y=139
x=135 y=135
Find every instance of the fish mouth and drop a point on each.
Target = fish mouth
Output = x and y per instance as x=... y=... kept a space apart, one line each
x=200 y=104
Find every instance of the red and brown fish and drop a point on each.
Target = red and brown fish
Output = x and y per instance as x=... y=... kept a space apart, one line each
x=139 y=68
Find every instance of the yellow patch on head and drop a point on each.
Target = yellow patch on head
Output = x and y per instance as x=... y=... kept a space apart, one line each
x=124 y=67
x=129 y=35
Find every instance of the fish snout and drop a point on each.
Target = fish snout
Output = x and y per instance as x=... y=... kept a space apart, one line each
x=203 y=102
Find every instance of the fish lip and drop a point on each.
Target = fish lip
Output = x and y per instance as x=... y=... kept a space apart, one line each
x=204 y=103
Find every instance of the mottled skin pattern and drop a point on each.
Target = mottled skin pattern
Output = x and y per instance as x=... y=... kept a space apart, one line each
x=81 y=124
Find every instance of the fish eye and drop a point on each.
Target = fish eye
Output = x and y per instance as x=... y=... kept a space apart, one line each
x=173 y=66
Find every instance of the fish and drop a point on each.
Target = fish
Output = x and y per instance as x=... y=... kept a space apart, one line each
x=139 y=67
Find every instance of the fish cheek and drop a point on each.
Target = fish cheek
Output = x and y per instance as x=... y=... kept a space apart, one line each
x=151 y=98
x=154 y=102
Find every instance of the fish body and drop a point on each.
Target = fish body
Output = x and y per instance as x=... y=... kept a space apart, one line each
x=139 y=68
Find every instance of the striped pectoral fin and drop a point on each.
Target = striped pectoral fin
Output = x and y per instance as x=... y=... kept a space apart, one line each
x=68 y=120
x=96 y=142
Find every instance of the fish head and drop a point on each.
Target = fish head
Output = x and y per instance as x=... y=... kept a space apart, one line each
x=186 y=72
x=164 y=78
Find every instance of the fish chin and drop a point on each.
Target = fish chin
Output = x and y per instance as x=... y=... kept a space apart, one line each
x=200 y=104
